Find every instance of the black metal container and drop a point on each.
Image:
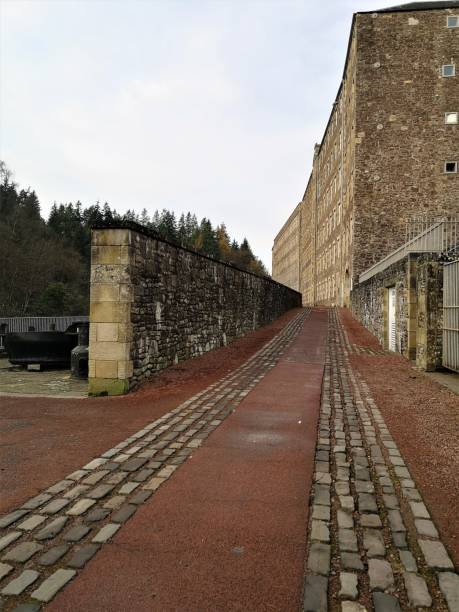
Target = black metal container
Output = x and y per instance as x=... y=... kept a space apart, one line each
x=45 y=348
x=79 y=365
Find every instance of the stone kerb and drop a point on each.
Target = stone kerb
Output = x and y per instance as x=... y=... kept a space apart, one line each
x=111 y=296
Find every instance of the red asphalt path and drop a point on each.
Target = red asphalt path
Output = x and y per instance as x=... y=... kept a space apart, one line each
x=228 y=530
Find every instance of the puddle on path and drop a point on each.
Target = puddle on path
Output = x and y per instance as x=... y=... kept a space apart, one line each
x=18 y=381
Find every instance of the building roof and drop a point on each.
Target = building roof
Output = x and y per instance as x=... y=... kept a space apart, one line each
x=417 y=6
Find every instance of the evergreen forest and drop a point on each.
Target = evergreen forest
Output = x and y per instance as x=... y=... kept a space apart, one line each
x=44 y=263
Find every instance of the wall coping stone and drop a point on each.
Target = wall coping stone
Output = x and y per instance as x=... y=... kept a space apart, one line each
x=141 y=229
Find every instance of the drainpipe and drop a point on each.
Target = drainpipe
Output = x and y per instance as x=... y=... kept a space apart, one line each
x=341 y=203
x=315 y=167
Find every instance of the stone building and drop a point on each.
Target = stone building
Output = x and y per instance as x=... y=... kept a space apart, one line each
x=286 y=253
x=390 y=151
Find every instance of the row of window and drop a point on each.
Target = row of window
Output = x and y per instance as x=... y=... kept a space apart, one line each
x=331 y=191
x=333 y=252
x=451 y=118
x=327 y=288
x=329 y=224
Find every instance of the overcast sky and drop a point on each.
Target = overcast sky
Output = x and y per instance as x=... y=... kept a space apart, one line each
x=212 y=107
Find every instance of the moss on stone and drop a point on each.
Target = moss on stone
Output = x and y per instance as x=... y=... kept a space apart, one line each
x=107 y=386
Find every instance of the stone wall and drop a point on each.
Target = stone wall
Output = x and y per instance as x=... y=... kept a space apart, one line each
x=418 y=282
x=429 y=279
x=370 y=302
x=404 y=140
x=154 y=304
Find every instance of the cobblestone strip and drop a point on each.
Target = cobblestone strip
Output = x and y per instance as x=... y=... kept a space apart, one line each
x=355 y=348
x=53 y=535
x=372 y=544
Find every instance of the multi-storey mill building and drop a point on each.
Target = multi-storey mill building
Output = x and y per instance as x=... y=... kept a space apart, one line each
x=390 y=151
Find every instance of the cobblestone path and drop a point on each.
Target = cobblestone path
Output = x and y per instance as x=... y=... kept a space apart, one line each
x=50 y=538
x=372 y=542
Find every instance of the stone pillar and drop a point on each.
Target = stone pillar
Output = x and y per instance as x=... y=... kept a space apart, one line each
x=429 y=315
x=384 y=300
x=412 y=314
x=111 y=296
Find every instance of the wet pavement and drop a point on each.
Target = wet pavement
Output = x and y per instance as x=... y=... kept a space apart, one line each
x=277 y=487
x=16 y=380
x=446 y=378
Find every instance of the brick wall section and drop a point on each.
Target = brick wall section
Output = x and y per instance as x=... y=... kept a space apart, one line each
x=154 y=304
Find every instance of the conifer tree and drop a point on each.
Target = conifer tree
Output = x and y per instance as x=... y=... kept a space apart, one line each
x=182 y=235
x=144 y=218
x=223 y=241
x=34 y=281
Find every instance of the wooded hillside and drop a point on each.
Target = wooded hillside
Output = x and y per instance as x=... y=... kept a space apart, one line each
x=44 y=264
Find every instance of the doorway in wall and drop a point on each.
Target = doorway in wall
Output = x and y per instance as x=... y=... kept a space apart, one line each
x=391 y=335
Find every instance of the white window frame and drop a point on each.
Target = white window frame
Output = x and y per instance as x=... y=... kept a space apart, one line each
x=456 y=17
x=450 y=171
x=456 y=113
x=453 y=66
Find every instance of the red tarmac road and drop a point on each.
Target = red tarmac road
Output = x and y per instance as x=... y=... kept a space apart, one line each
x=43 y=439
x=228 y=530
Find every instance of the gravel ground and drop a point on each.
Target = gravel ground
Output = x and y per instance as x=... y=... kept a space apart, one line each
x=423 y=418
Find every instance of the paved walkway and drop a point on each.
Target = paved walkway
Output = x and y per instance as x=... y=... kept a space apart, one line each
x=15 y=380
x=372 y=543
x=158 y=523
x=55 y=534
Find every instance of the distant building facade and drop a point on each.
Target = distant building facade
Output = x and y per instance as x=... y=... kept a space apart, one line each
x=390 y=151
x=286 y=252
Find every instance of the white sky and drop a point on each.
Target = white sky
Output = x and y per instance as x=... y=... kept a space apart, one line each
x=212 y=107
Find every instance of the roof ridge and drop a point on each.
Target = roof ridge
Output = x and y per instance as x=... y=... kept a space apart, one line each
x=416 y=6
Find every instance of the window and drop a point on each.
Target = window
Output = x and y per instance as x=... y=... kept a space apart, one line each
x=448 y=70
x=452 y=21
x=451 y=118
x=450 y=167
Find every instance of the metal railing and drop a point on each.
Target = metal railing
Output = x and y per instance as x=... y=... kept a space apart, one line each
x=451 y=315
x=423 y=235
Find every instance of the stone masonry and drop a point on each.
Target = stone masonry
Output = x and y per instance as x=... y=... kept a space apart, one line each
x=418 y=282
x=382 y=158
x=286 y=257
x=372 y=542
x=154 y=304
